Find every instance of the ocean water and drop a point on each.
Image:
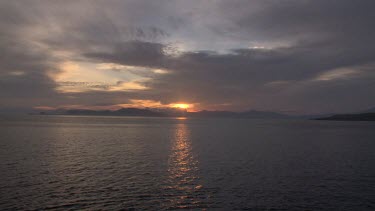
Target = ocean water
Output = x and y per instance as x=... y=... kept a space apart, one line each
x=112 y=163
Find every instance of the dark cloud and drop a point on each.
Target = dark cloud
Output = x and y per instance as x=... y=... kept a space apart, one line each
x=303 y=56
x=137 y=53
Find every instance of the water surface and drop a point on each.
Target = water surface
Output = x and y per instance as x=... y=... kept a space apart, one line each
x=111 y=163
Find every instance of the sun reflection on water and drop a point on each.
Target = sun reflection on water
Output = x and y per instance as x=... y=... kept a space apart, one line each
x=183 y=171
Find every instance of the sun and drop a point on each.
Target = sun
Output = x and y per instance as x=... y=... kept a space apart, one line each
x=180 y=106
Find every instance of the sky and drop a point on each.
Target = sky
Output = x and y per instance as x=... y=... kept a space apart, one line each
x=289 y=56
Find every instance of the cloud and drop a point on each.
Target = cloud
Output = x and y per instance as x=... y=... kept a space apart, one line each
x=302 y=56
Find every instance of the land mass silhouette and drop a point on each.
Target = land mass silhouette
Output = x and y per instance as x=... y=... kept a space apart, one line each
x=350 y=117
x=367 y=115
x=151 y=112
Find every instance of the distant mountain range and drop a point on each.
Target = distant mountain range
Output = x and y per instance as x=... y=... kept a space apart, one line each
x=245 y=114
x=368 y=115
x=350 y=117
x=169 y=113
x=120 y=112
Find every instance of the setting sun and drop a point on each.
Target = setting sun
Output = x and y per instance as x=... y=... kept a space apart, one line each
x=181 y=106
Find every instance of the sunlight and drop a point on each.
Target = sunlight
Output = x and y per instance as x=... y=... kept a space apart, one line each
x=180 y=105
x=183 y=169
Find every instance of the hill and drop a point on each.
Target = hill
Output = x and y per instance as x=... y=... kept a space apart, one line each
x=350 y=117
x=170 y=113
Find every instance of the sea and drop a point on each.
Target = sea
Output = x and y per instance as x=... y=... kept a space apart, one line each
x=150 y=163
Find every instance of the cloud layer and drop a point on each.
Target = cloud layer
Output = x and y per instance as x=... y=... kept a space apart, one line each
x=292 y=56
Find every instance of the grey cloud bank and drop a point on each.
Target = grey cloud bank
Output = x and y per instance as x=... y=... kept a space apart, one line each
x=291 y=56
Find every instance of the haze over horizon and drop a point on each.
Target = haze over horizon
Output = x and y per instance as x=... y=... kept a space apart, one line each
x=292 y=56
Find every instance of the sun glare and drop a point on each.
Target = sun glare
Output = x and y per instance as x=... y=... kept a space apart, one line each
x=181 y=106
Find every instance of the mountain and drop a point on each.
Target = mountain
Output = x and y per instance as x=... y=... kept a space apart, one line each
x=127 y=112
x=247 y=114
x=365 y=115
x=171 y=113
x=351 y=117
x=120 y=112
